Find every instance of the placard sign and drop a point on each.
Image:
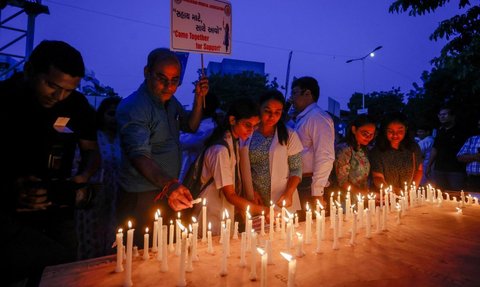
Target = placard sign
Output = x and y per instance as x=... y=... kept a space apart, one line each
x=202 y=26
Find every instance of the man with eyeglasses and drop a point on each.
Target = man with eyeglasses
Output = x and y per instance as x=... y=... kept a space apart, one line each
x=316 y=131
x=448 y=173
x=43 y=120
x=150 y=121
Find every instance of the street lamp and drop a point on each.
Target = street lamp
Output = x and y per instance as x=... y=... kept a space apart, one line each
x=371 y=54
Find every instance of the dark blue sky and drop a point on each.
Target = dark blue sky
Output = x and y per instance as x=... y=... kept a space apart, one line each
x=116 y=36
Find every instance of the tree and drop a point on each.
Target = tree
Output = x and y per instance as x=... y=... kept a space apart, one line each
x=92 y=88
x=455 y=75
x=379 y=103
x=229 y=87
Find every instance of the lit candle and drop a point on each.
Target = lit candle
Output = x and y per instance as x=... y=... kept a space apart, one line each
x=308 y=225
x=297 y=224
x=210 y=248
x=263 y=269
x=399 y=211
x=145 y=245
x=204 y=220
x=354 y=228
x=448 y=196
x=253 y=257
x=335 y=231
x=292 y=266
x=164 y=267
x=288 y=238
x=223 y=270
x=272 y=216
x=243 y=246
x=322 y=213
x=155 y=233
x=360 y=209
x=248 y=228
x=277 y=223
x=332 y=211
x=171 y=248
x=160 y=236
x=178 y=235
x=228 y=231
x=300 y=252
x=371 y=203
x=384 y=221
x=459 y=210
x=348 y=203
x=194 y=239
x=119 y=243
x=189 y=267
x=183 y=254
x=318 y=222
x=462 y=198
x=381 y=195
x=262 y=224
x=235 y=230
x=128 y=265
x=340 y=220
x=475 y=200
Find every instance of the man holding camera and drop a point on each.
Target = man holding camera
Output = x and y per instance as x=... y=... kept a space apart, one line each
x=44 y=119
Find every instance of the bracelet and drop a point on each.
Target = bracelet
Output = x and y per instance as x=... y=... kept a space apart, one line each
x=165 y=189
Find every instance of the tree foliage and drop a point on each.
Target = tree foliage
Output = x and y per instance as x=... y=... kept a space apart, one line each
x=379 y=103
x=454 y=79
x=230 y=87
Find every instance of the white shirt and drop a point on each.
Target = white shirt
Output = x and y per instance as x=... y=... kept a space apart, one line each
x=316 y=131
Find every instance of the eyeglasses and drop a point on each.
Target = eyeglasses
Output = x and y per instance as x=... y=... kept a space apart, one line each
x=165 y=81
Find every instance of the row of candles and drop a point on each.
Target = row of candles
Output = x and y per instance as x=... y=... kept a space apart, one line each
x=186 y=239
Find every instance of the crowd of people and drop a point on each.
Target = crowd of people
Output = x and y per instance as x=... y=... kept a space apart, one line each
x=130 y=160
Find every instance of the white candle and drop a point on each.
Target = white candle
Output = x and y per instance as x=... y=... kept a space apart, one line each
x=292 y=266
x=263 y=269
x=262 y=224
x=381 y=195
x=194 y=239
x=272 y=216
x=210 y=248
x=268 y=247
x=253 y=257
x=155 y=233
x=332 y=210
x=360 y=209
x=164 y=267
x=322 y=213
x=377 y=216
x=170 y=236
x=340 y=221
x=228 y=232
x=368 y=231
x=283 y=220
x=462 y=198
x=475 y=199
x=178 y=235
x=308 y=225
x=348 y=203
x=204 y=220
x=384 y=221
x=297 y=224
x=277 y=223
x=160 y=237
x=119 y=243
x=318 y=222
x=399 y=211
x=128 y=265
x=288 y=238
x=335 y=231
x=235 y=230
x=354 y=229
x=189 y=267
x=243 y=245
x=145 y=245
x=300 y=252
x=248 y=228
x=223 y=269
x=183 y=254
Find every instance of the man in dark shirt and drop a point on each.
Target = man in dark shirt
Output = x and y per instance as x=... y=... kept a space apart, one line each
x=43 y=120
x=448 y=172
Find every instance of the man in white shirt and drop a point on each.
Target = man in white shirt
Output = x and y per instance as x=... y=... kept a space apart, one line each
x=316 y=131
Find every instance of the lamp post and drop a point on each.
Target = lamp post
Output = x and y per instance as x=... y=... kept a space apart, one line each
x=371 y=54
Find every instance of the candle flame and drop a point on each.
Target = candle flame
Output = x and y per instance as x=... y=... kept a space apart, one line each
x=287 y=256
x=204 y=201
x=226 y=214
x=190 y=228
x=180 y=225
x=156 y=215
x=129 y=224
x=171 y=221
x=209 y=225
x=299 y=235
x=260 y=250
x=263 y=213
x=307 y=207
x=271 y=202
x=248 y=215
x=283 y=203
x=146 y=230
x=348 y=189
x=194 y=219
x=120 y=230
x=178 y=215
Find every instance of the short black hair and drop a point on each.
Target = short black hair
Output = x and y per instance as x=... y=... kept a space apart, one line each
x=161 y=54
x=59 y=55
x=308 y=83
